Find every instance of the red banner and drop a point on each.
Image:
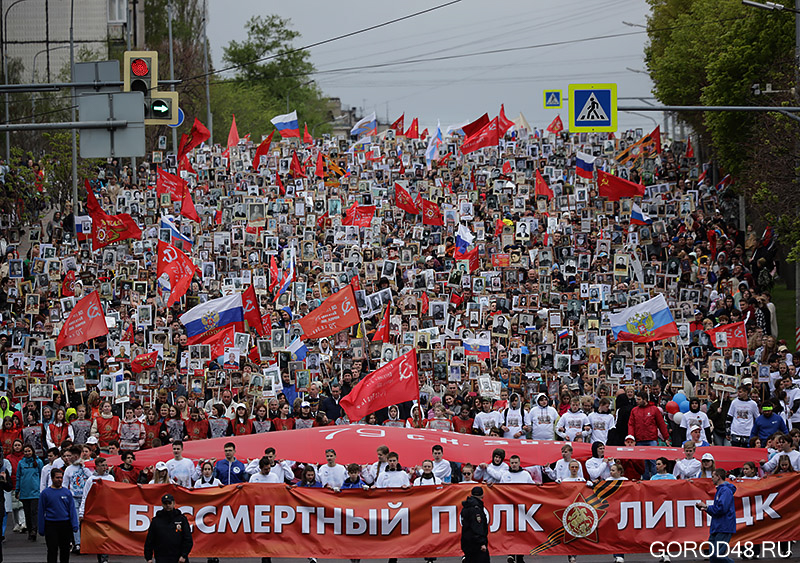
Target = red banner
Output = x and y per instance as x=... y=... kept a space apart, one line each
x=108 y=229
x=178 y=267
x=390 y=384
x=356 y=443
x=272 y=520
x=736 y=335
x=85 y=321
x=431 y=214
x=402 y=199
x=489 y=136
x=359 y=215
x=337 y=312
x=144 y=361
x=252 y=312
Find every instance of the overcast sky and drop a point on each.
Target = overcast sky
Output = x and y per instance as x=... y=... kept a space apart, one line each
x=461 y=88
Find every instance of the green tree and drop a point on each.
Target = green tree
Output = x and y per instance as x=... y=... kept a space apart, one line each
x=711 y=52
x=268 y=60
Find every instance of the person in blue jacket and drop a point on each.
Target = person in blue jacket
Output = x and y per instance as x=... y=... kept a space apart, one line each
x=723 y=517
x=29 y=472
x=230 y=470
x=58 y=518
x=768 y=423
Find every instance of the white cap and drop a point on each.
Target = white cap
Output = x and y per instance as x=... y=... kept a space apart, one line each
x=161 y=466
x=707 y=456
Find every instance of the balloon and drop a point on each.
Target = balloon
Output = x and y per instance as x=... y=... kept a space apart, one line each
x=672 y=407
x=684 y=406
x=677 y=418
x=671 y=416
x=679 y=398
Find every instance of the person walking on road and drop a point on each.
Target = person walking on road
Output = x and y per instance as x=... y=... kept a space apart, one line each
x=474 y=529
x=58 y=518
x=169 y=537
x=723 y=517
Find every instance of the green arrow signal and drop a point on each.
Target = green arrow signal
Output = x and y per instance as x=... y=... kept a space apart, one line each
x=159 y=108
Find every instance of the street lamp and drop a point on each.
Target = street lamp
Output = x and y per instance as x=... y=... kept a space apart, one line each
x=33 y=76
x=5 y=74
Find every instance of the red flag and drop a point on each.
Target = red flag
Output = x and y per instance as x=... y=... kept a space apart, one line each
x=424 y=134
x=456 y=299
x=274 y=273
x=129 y=334
x=504 y=123
x=402 y=170
x=382 y=332
x=184 y=164
x=144 y=361
x=280 y=184
x=233 y=134
x=252 y=313
x=737 y=335
x=321 y=220
x=319 y=171
x=263 y=149
x=471 y=128
x=397 y=126
x=108 y=229
x=507 y=168
x=179 y=269
x=541 y=186
x=556 y=126
x=413 y=130
x=443 y=160
x=307 y=138
x=197 y=136
x=431 y=214
x=425 y=303
x=355 y=283
x=402 y=199
x=390 y=384
x=614 y=188
x=85 y=321
x=498 y=227
x=689 y=148
x=178 y=190
x=188 y=209
x=337 y=312
x=68 y=284
x=295 y=168
x=486 y=137
x=656 y=138
x=218 y=340
x=360 y=215
x=471 y=255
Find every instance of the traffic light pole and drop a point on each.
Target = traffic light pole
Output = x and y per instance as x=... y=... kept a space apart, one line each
x=74 y=131
x=172 y=76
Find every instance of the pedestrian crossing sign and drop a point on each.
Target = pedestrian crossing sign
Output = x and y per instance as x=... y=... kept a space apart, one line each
x=592 y=108
x=552 y=99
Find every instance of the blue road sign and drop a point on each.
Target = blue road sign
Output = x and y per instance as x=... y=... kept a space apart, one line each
x=181 y=117
x=552 y=99
x=592 y=107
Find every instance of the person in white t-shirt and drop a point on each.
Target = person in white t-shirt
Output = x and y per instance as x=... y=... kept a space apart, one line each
x=512 y=419
x=265 y=473
x=689 y=467
x=601 y=421
x=181 y=470
x=207 y=478
x=427 y=477
x=561 y=470
x=394 y=476
x=597 y=466
x=492 y=472
x=332 y=474
x=468 y=473
x=441 y=467
x=570 y=425
x=515 y=473
x=370 y=472
x=487 y=418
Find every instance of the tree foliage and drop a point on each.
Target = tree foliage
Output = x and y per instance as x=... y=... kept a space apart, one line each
x=711 y=52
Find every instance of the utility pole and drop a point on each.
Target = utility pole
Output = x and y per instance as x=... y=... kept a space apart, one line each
x=73 y=103
x=172 y=75
x=205 y=70
x=131 y=16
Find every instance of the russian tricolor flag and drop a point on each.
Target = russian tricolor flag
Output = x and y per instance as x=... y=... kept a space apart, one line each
x=646 y=322
x=287 y=124
x=463 y=238
x=584 y=165
x=366 y=126
x=177 y=238
x=80 y=223
x=212 y=315
x=639 y=217
x=478 y=347
x=724 y=183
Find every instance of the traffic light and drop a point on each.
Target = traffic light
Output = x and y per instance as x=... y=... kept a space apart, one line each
x=141 y=72
x=161 y=109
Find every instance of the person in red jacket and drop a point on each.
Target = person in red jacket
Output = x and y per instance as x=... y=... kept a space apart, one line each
x=106 y=426
x=645 y=424
x=8 y=435
x=634 y=468
x=241 y=423
x=197 y=426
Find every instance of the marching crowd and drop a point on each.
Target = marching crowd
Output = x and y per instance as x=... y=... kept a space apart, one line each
x=501 y=267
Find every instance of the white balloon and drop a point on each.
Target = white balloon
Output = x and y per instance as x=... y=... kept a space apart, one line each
x=677 y=418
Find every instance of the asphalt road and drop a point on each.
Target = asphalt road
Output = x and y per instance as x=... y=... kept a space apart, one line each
x=17 y=549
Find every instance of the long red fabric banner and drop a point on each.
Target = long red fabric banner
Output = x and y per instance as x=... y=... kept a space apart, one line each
x=555 y=519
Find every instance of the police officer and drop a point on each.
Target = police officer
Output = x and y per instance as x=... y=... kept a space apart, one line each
x=169 y=536
x=474 y=529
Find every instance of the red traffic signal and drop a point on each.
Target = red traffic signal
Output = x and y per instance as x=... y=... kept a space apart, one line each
x=140 y=67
